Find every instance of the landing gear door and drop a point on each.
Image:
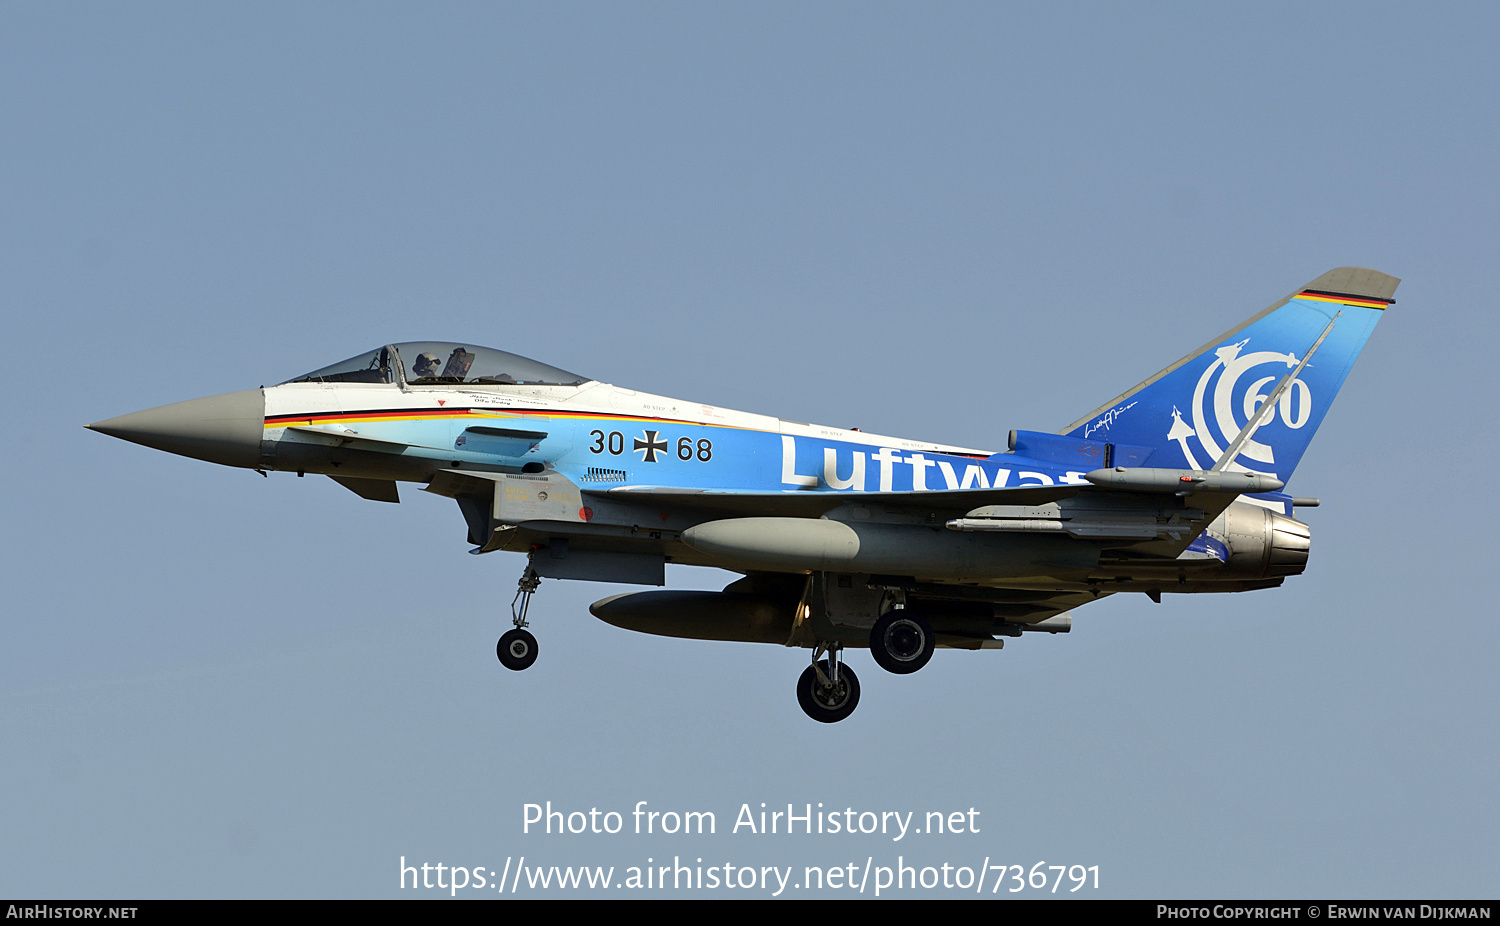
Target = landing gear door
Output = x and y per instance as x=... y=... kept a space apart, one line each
x=540 y=497
x=846 y=601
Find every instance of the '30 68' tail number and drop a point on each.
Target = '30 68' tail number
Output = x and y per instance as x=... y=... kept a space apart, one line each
x=651 y=444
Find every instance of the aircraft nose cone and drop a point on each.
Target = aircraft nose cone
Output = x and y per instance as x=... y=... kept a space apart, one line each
x=223 y=429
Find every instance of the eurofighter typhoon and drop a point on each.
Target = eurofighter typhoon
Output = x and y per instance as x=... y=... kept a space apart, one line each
x=842 y=538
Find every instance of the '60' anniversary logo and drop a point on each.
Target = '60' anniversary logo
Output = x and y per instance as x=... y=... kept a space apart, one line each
x=1243 y=383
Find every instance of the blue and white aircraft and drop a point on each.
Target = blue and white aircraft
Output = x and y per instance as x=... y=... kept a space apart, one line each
x=843 y=538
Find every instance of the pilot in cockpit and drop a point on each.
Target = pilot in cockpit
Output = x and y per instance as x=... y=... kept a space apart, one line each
x=426 y=365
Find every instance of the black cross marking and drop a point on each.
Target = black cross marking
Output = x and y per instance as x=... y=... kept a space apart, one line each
x=651 y=445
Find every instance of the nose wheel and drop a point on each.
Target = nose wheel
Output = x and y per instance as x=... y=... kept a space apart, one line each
x=828 y=690
x=517 y=648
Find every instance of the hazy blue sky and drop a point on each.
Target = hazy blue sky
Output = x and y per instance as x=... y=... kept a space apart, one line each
x=938 y=221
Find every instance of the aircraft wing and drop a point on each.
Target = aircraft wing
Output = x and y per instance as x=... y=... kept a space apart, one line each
x=1156 y=512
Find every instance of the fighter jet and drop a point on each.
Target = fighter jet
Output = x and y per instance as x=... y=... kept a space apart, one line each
x=843 y=539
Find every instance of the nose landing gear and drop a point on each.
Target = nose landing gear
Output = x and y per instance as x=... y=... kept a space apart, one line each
x=517 y=648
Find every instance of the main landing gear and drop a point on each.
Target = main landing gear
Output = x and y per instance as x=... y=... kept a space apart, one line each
x=828 y=690
x=517 y=647
x=902 y=641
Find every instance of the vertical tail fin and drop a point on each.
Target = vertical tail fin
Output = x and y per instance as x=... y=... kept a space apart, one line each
x=1190 y=413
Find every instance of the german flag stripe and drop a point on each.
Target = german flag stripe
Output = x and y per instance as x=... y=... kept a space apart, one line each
x=438 y=414
x=1344 y=299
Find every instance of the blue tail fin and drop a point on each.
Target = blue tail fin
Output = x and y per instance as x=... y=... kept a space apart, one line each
x=1190 y=413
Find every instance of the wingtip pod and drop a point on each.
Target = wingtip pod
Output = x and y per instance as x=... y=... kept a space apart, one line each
x=1182 y=481
x=1190 y=413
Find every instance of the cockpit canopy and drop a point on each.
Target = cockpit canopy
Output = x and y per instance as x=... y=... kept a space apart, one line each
x=435 y=363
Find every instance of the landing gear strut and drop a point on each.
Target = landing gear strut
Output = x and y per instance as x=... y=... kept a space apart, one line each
x=517 y=648
x=828 y=690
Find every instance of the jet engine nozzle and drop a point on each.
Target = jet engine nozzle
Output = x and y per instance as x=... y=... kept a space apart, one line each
x=223 y=429
x=1263 y=543
x=1291 y=540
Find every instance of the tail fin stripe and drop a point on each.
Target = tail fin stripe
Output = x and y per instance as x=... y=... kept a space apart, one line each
x=1346 y=299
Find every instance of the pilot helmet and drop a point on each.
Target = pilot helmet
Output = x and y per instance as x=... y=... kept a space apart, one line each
x=427 y=365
